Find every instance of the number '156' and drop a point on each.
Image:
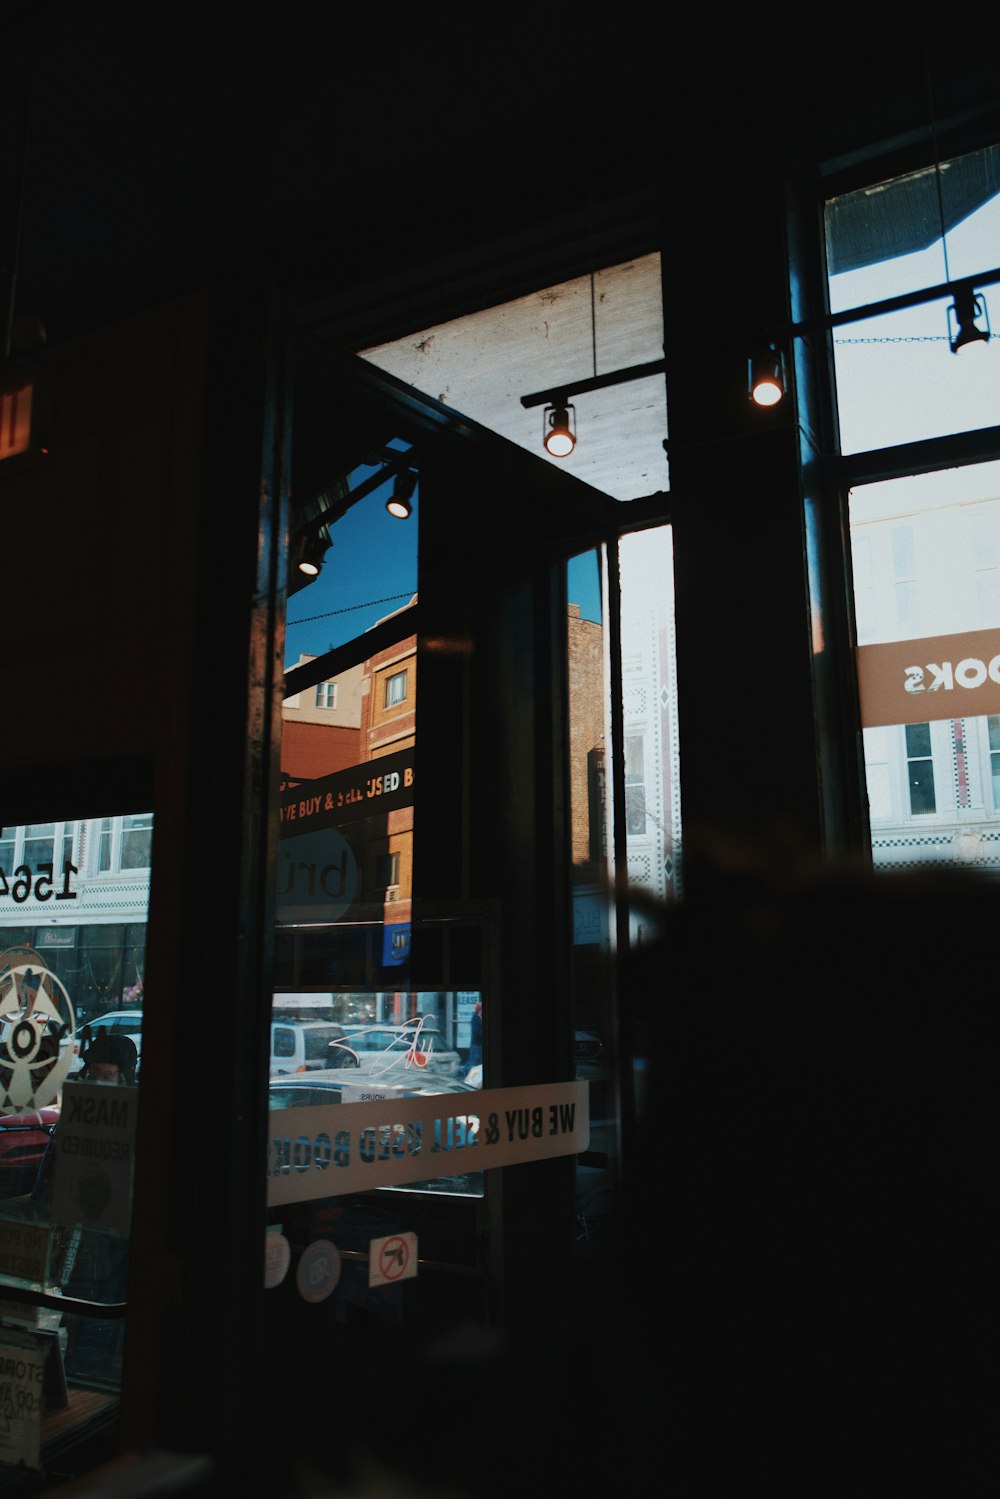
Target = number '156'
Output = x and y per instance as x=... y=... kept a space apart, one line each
x=25 y=882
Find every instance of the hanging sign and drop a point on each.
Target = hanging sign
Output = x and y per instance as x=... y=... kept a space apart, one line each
x=369 y=789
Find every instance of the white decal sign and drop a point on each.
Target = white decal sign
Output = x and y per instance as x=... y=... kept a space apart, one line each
x=330 y=1149
x=392 y=1259
x=22 y=1371
x=37 y=1029
x=24 y=1251
x=94 y=1145
x=319 y=1271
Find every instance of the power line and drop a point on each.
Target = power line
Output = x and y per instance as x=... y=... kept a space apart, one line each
x=389 y=599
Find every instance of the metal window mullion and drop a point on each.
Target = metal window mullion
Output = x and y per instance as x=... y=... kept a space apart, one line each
x=619 y=854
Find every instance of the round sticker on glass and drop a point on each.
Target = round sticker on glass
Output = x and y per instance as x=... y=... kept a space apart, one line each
x=319 y=1270
x=277 y=1258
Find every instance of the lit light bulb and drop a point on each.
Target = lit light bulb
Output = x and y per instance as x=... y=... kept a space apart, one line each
x=559 y=438
x=767 y=377
x=767 y=392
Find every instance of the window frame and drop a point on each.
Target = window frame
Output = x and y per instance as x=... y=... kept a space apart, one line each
x=834 y=475
x=388 y=681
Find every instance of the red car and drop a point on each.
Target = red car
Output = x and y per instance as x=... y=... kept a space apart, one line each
x=23 y=1139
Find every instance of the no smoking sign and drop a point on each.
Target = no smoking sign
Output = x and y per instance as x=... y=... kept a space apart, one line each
x=392 y=1259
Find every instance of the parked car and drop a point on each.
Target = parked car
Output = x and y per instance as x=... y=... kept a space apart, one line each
x=23 y=1142
x=413 y=1045
x=308 y=1045
x=116 y=1023
x=329 y=1085
x=589 y=1054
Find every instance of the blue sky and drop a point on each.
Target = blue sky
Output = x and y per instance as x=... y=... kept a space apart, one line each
x=371 y=571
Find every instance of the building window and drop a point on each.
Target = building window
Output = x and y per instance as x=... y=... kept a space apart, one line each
x=326 y=695
x=386 y=870
x=920 y=768
x=39 y=845
x=993 y=726
x=395 y=689
x=635 y=784
x=36 y=847
x=136 y=842
x=125 y=843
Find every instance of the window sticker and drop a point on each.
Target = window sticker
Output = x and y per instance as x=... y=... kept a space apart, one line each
x=37 y=1031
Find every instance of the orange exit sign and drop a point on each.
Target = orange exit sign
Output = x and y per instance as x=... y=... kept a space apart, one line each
x=15 y=421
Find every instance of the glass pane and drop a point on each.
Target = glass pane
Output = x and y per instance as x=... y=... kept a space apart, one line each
x=72 y=959
x=348 y=1025
x=918 y=739
x=594 y=1024
x=897 y=378
x=371 y=571
x=921 y=776
x=652 y=825
x=649 y=690
x=929 y=676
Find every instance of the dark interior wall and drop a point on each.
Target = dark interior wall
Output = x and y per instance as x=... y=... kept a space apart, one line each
x=372 y=168
x=145 y=634
x=98 y=534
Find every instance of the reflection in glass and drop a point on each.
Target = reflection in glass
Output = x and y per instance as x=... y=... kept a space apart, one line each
x=594 y=1023
x=372 y=562
x=72 y=962
x=347 y=1023
x=931 y=770
x=651 y=815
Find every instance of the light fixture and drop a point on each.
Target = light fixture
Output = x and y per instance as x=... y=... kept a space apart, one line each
x=559 y=429
x=399 y=502
x=312 y=553
x=964 y=316
x=767 y=376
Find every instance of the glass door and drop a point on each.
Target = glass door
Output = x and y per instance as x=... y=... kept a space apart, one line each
x=428 y=1102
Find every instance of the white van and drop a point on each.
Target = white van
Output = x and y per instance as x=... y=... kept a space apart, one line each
x=308 y=1045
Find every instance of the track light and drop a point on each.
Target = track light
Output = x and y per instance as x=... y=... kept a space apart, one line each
x=767 y=376
x=559 y=429
x=964 y=316
x=312 y=554
x=399 y=502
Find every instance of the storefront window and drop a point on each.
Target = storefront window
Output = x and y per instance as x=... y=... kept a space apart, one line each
x=897 y=378
x=929 y=675
x=925 y=545
x=72 y=966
